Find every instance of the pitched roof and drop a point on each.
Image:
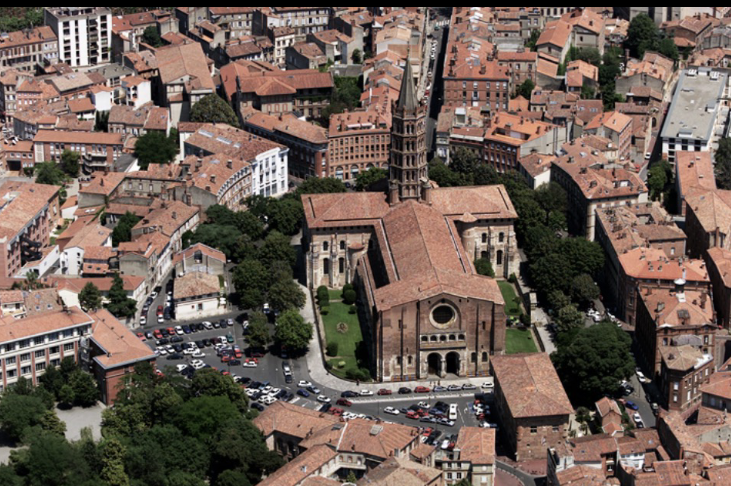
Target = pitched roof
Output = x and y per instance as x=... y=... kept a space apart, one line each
x=13 y=330
x=184 y=60
x=122 y=347
x=194 y=285
x=531 y=386
x=291 y=420
x=476 y=445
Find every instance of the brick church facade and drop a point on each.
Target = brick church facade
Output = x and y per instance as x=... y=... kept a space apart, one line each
x=411 y=255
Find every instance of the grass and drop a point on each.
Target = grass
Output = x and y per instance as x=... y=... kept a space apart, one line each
x=512 y=305
x=519 y=341
x=348 y=341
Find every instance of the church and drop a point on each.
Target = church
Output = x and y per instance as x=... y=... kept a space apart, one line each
x=410 y=253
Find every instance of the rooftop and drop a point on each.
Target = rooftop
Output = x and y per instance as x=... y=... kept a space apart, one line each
x=531 y=386
x=195 y=284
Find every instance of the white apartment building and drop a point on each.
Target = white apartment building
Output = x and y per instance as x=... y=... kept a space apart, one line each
x=28 y=346
x=84 y=34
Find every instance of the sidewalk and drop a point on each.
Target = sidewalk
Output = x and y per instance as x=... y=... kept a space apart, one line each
x=319 y=375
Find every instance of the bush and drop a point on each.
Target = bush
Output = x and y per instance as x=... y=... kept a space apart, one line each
x=348 y=287
x=332 y=349
x=323 y=301
x=353 y=309
x=322 y=292
x=513 y=279
x=349 y=297
x=525 y=319
x=325 y=310
x=361 y=374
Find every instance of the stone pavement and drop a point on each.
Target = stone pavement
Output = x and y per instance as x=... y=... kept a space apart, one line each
x=320 y=376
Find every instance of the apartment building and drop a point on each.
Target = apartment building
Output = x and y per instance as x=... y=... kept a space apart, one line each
x=358 y=140
x=84 y=34
x=268 y=160
x=695 y=119
x=308 y=143
x=304 y=20
x=28 y=346
x=28 y=214
x=26 y=49
x=98 y=150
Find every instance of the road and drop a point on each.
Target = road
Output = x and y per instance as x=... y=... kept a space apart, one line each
x=435 y=99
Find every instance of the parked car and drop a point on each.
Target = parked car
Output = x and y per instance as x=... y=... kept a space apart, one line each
x=384 y=391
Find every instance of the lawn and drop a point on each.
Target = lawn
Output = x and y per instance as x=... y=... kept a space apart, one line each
x=512 y=305
x=347 y=341
x=519 y=341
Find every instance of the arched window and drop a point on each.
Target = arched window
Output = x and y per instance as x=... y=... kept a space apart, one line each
x=434 y=339
x=424 y=339
x=473 y=357
x=443 y=339
x=501 y=237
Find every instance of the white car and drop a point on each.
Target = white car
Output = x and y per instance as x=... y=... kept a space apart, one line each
x=303 y=384
x=162 y=351
x=207 y=325
x=197 y=364
x=391 y=411
x=488 y=385
x=189 y=351
x=249 y=364
x=641 y=376
x=143 y=320
x=323 y=399
x=160 y=319
x=366 y=393
x=179 y=330
x=198 y=354
x=267 y=400
x=181 y=367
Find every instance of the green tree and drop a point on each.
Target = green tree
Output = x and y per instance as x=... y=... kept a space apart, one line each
x=251 y=280
x=52 y=380
x=113 y=473
x=526 y=89
x=277 y=248
x=50 y=174
x=85 y=390
x=70 y=163
x=723 y=164
x=66 y=396
x=286 y=215
x=18 y=413
x=258 y=331
x=585 y=256
x=285 y=294
x=659 y=177
x=558 y=300
x=122 y=233
x=592 y=365
x=535 y=34
x=357 y=56
x=584 y=290
x=119 y=304
x=464 y=161
x=50 y=423
x=320 y=185
x=152 y=37
x=641 y=35
x=90 y=298
x=293 y=332
x=569 y=317
x=224 y=238
x=369 y=177
x=211 y=383
x=155 y=147
x=484 y=267
x=213 y=109
x=201 y=417
x=668 y=48
x=101 y=121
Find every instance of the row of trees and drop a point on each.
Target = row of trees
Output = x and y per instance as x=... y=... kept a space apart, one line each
x=161 y=431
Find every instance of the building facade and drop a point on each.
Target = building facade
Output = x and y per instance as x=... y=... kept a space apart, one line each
x=84 y=34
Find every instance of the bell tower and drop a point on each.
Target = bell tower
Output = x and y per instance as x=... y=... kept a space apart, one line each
x=408 y=170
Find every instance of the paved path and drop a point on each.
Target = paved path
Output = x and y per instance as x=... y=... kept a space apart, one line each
x=319 y=375
x=508 y=471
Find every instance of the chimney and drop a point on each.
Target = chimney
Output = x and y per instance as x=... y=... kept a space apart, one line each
x=213 y=178
x=230 y=164
x=660 y=307
x=175 y=215
x=393 y=197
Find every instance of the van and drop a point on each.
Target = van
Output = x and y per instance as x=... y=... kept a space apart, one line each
x=453 y=411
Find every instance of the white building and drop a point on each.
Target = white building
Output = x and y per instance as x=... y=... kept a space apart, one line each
x=198 y=295
x=697 y=118
x=84 y=34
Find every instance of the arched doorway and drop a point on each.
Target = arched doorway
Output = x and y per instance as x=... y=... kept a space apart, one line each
x=434 y=362
x=453 y=362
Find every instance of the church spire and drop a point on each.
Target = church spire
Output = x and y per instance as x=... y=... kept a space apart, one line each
x=407 y=98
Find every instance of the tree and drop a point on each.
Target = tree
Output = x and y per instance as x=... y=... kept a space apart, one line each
x=52 y=380
x=258 y=331
x=224 y=238
x=50 y=174
x=277 y=247
x=251 y=280
x=535 y=34
x=18 y=413
x=357 y=56
x=293 y=332
x=584 y=290
x=201 y=417
x=286 y=215
x=101 y=121
x=660 y=176
x=85 y=390
x=585 y=256
x=50 y=423
x=90 y=298
x=464 y=161
x=119 y=304
x=592 y=365
x=113 y=472
x=668 y=48
x=152 y=37
x=723 y=164
x=526 y=89
x=285 y=294
x=320 y=185
x=641 y=34
x=213 y=384
x=569 y=317
x=366 y=179
x=123 y=231
x=70 y=163
x=484 y=267
x=155 y=147
x=66 y=396
x=213 y=109
x=349 y=296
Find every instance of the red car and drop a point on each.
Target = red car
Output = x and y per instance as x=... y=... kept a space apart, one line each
x=422 y=389
x=157 y=334
x=159 y=310
x=141 y=336
x=337 y=411
x=384 y=391
x=344 y=402
x=412 y=415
